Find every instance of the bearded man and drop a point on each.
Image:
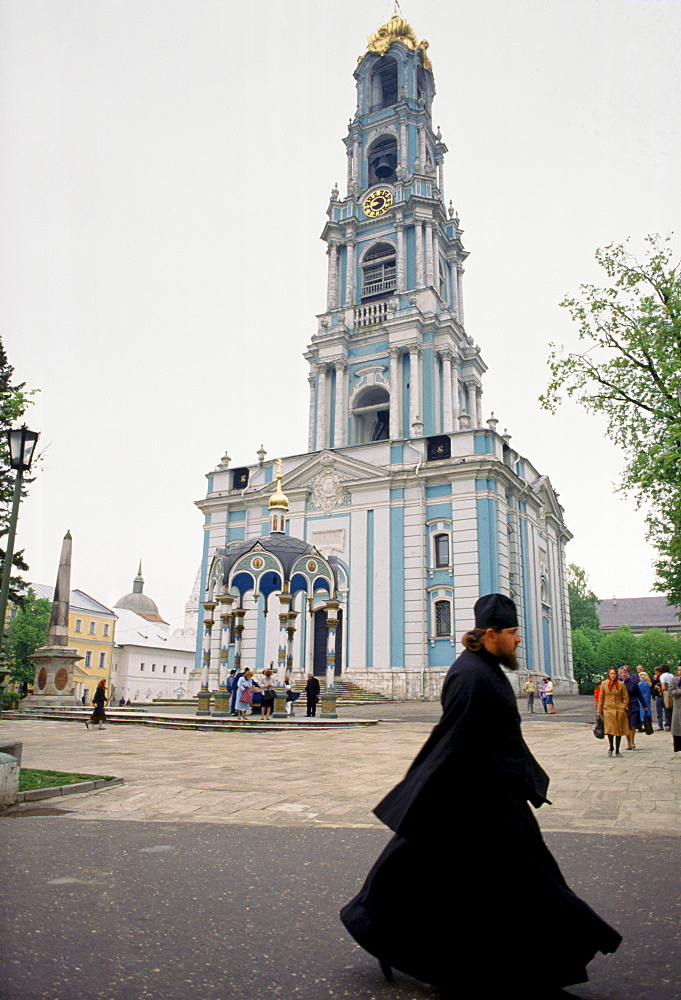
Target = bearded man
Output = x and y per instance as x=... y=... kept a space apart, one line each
x=467 y=874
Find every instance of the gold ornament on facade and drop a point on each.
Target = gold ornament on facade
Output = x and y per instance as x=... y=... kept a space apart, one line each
x=398 y=30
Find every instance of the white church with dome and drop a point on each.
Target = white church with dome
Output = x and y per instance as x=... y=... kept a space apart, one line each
x=148 y=661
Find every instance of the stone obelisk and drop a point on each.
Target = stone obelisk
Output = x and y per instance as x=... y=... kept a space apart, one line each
x=54 y=662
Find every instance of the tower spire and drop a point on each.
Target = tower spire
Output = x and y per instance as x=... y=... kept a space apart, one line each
x=278 y=506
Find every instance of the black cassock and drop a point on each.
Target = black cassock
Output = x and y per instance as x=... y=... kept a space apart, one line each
x=467 y=880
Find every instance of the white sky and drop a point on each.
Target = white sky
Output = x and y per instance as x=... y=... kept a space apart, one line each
x=165 y=169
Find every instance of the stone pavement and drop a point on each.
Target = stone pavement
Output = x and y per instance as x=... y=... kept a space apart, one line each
x=335 y=778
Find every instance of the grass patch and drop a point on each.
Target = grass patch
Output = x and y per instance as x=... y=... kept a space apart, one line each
x=31 y=778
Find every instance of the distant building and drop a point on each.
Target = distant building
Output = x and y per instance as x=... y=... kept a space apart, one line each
x=149 y=662
x=639 y=613
x=91 y=632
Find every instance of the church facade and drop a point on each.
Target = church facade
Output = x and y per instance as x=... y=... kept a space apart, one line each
x=419 y=502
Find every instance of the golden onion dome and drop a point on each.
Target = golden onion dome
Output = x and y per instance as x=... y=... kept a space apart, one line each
x=279 y=500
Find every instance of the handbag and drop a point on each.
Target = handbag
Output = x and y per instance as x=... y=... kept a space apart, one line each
x=599 y=729
x=648 y=724
x=246 y=697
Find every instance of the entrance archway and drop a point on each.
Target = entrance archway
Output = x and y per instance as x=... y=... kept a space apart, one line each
x=320 y=643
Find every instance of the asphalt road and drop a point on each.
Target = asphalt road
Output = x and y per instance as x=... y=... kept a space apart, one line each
x=127 y=910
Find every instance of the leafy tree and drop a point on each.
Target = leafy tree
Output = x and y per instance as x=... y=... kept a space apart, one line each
x=629 y=370
x=616 y=649
x=656 y=647
x=27 y=631
x=584 y=645
x=583 y=601
x=13 y=402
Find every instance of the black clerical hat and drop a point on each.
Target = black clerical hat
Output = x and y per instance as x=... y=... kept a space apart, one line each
x=495 y=611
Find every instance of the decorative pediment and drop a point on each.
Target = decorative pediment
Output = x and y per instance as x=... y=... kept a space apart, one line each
x=548 y=500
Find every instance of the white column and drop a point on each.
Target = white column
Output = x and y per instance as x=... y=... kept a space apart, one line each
x=441 y=178
x=454 y=288
x=422 y=148
x=332 y=286
x=459 y=293
x=312 y=382
x=430 y=279
x=419 y=254
x=454 y=379
x=401 y=261
x=436 y=257
x=447 y=419
x=395 y=394
x=478 y=406
x=414 y=385
x=404 y=157
x=355 y=160
x=207 y=638
x=339 y=423
x=331 y=624
x=321 y=407
x=350 y=273
x=349 y=152
x=309 y=640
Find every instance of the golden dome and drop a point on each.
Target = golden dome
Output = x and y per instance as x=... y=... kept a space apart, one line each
x=279 y=500
x=398 y=30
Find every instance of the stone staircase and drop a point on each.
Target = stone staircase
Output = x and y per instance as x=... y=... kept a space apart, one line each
x=348 y=693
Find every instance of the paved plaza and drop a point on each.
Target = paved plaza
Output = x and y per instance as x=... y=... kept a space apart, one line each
x=335 y=778
x=217 y=870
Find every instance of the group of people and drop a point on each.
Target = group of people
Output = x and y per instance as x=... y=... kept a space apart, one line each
x=625 y=701
x=241 y=687
x=545 y=693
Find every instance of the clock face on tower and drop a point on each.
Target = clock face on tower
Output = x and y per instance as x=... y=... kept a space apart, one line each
x=378 y=202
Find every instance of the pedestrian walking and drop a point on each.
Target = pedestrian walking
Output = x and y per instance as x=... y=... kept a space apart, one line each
x=312 y=690
x=675 y=693
x=244 y=695
x=529 y=689
x=635 y=708
x=468 y=791
x=268 y=695
x=613 y=702
x=666 y=678
x=291 y=696
x=235 y=691
x=656 y=694
x=549 y=707
x=231 y=690
x=99 y=700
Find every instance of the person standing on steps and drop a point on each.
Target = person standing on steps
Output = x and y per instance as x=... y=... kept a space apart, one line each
x=529 y=689
x=312 y=690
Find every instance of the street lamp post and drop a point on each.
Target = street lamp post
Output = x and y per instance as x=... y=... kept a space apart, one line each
x=22 y=444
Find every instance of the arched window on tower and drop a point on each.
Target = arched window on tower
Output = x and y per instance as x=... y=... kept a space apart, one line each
x=379 y=271
x=371 y=415
x=383 y=84
x=383 y=160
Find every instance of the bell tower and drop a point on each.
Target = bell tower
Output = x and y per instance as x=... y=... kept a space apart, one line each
x=391 y=358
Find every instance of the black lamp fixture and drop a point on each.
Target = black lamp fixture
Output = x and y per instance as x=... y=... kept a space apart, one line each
x=22 y=444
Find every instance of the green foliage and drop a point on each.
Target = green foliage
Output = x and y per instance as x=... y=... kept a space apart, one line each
x=27 y=631
x=585 y=643
x=14 y=400
x=629 y=370
x=31 y=778
x=10 y=700
x=583 y=601
x=656 y=647
x=617 y=649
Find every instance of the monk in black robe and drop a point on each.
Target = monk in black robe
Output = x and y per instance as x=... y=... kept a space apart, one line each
x=467 y=875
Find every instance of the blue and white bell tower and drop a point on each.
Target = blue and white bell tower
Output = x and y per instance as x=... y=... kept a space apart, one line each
x=391 y=359
x=417 y=501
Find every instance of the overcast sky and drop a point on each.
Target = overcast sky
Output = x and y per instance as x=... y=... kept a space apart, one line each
x=165 y=169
